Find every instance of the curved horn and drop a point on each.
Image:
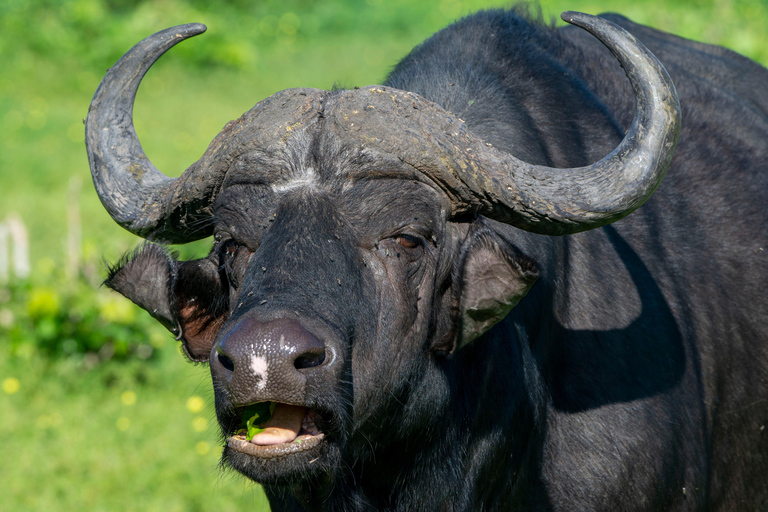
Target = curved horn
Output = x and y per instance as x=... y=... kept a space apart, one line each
x=137 y=196
x=478 y=178
x=562 y=201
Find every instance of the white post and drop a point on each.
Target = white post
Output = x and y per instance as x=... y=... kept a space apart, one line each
x=20 y=238
x=4 y=263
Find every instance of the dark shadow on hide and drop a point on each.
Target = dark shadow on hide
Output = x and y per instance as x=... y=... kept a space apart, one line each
x=593 y=368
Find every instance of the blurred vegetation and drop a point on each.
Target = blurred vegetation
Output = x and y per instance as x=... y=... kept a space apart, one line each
x=97 y=409
x=53 y=316
x=130 y=436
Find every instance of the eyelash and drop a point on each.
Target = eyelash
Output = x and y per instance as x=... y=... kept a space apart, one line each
x=228 y=252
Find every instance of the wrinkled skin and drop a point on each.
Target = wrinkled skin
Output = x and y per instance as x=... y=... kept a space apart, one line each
x=454 y=363
x=391 y=269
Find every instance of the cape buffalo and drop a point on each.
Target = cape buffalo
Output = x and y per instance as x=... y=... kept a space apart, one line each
x=416 y=300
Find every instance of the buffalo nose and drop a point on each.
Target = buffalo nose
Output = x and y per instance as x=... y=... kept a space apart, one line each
x=267 y=360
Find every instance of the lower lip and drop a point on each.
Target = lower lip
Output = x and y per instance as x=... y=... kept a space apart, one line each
x=301 y=444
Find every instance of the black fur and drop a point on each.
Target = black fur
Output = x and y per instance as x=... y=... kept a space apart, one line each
x=634 y=374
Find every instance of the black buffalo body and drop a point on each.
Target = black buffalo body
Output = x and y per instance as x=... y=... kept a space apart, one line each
x=432 y=350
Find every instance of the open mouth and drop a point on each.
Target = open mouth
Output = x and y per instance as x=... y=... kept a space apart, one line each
x=271 y=429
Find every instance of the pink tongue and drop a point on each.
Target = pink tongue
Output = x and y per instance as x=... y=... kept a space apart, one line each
x=283 y=427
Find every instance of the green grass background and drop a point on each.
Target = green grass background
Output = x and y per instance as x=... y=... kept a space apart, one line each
x=140 y=435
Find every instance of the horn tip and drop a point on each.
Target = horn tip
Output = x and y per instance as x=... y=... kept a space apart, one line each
x=191 y=29
x=574 y=17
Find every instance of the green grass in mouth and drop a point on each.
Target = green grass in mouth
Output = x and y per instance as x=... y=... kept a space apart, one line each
x=257 y=414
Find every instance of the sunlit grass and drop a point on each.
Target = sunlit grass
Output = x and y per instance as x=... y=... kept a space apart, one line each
x=118 y=437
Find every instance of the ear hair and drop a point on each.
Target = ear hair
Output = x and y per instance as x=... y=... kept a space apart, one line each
x=482 y=235
x=145 y=276
x=490 y=276
x=201 y=305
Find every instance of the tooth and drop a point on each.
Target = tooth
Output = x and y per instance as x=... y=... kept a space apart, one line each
x=283 y=426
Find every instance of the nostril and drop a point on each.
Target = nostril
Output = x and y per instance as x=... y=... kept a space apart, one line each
x=309 y=359
x=226 y=362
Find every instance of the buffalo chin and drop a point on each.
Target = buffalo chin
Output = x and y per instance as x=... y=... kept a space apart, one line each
x=291 y=467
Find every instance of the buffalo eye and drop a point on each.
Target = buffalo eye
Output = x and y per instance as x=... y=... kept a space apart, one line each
x=232 y=261
x=408 y=241
x=230 y=248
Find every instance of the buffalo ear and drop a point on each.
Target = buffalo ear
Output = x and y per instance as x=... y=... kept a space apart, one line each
x=145 y=278
x=188 y=297
x=493 y=277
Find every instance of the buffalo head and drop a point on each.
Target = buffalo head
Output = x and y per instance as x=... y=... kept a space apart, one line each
x=356 y=249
